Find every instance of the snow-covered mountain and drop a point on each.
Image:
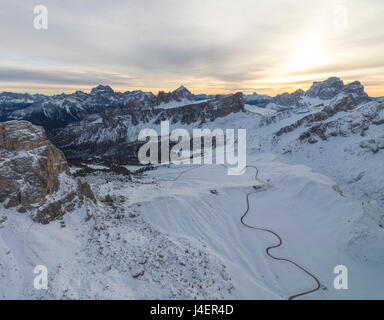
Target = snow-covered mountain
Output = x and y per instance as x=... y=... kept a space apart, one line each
x=34 y=174
x=175 y=231
x=180 y=96
x=106 y=134
x=60 y=110
x=257 y=99
x=320 y=94
x=342 y=140
x=49 y=218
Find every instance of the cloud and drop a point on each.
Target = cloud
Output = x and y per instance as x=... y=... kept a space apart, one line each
x=67 y=77
x=159 y=44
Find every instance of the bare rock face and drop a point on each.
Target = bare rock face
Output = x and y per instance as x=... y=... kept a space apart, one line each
x=333 y=86
x=326 y=89
x=289 y=99
x=33 y=171
x=315 y=118
x=180 y=94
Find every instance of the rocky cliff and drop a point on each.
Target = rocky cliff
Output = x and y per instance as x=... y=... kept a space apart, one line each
x=112 y=135
x=34 y=174
x=320 y=94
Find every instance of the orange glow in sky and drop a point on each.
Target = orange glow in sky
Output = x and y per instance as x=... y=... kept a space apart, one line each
x=263 y=46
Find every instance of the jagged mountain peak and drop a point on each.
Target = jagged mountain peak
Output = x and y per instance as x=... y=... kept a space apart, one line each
x=181 y=89
x=256 y=94
x=109 y=129
x=353 y=87
x=326 y=89
x=331 y=89
x=178 y=95
x=102 y=89
x=59 y=110
x=333 y=86
x=299 y=92
x=331 y=81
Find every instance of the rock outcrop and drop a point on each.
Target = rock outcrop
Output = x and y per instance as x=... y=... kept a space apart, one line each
x=321 y=93
x=332 y=87
x=327 y=89
x=113 y=134
x=341 y=119
x=179 y=95
x=34 y=174
x=256 y=99
x=314 y=119
x=59 y=110
x=289 y=99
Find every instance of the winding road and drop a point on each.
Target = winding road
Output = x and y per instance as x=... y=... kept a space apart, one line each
x=280 y=242
x=268 y=249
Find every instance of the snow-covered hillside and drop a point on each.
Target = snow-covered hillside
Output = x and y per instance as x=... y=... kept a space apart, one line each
x=183 y=239
x=60 y=110
x=175 y=231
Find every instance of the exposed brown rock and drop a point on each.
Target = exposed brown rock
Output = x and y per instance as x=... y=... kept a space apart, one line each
x=31 y=171
x=30 y=164
x=85 y=190
x=108 y=138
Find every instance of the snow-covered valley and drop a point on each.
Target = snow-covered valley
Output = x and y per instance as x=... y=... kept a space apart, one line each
x=174 y=231
x=179 y=239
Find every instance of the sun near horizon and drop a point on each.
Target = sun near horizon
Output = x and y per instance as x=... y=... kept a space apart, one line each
x=248 y=46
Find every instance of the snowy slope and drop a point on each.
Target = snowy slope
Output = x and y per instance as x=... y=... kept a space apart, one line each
x=114 y=254
x=174 y=232
x=182 y=226
x=320 y=228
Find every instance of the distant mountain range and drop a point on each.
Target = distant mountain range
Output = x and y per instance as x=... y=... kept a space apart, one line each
x=104 y=122
x=59 y=110
x=156 y=232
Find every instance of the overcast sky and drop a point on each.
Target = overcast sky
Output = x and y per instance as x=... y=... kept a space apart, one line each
x=213 y=46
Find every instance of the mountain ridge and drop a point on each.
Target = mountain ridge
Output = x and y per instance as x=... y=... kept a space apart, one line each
x=62 y=109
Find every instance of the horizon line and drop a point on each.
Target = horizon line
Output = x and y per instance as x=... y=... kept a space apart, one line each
x=119 y=89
